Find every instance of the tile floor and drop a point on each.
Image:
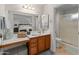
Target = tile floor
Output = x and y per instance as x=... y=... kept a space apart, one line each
x=48 y=52
x=61 y=51
x=23 y=51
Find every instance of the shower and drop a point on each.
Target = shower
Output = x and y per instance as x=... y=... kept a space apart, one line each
x=66 y=27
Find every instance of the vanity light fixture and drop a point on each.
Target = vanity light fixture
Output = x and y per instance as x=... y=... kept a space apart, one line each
x=28 y=6
x=33 y=8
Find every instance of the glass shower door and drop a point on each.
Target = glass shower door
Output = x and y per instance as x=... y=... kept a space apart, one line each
x=68 y=27
x=68 y=30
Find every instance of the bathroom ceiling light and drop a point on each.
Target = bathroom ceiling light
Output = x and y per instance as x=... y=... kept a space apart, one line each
x=29 y=7
x=26 y=6
x=33 y=8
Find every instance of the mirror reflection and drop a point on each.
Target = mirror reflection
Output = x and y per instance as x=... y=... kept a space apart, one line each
x=31 y=24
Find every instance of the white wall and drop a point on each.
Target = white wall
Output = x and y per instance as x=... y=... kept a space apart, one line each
x=57 y=15
x=4 y=8
x=19 y=7
x=49 y=9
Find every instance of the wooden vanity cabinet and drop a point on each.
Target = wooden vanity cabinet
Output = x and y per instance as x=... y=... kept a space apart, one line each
x=33 y=46
x=39 y=44
x=47 y=41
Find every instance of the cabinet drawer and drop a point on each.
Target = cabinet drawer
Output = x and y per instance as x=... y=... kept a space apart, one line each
x=33 y=41
x=33 y=45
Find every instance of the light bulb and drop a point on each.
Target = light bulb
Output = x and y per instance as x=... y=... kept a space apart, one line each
x=29 y=8
x=33 y=8
x=25 y=6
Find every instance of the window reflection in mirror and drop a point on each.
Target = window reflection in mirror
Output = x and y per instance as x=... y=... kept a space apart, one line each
x=45 y=22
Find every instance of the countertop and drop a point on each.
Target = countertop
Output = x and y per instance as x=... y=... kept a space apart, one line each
x=16 y=40
x=32 y=36
x=9 y=41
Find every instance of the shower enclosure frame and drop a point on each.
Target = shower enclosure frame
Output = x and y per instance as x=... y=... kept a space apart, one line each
x=55 y=14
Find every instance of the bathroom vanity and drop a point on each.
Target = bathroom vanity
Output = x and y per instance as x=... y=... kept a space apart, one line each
x=39 y=44
x=34 y=44
x=36 y=38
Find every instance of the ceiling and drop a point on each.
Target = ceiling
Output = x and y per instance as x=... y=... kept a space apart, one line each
x=68 y=8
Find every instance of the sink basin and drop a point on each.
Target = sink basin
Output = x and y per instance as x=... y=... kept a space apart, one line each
x=35 y=33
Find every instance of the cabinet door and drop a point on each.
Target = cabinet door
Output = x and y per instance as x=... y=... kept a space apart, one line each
x=33 y=46
x=47 y=42
x=33 y=51
x=41 y=44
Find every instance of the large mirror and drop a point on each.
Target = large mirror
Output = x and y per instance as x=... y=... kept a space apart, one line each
x=25 y=22
x=31 y=24
x=22 y=23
